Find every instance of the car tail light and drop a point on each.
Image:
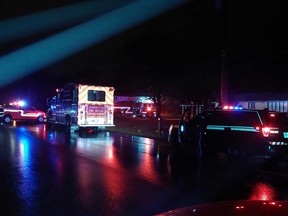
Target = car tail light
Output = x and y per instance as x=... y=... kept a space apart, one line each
x=266 y=131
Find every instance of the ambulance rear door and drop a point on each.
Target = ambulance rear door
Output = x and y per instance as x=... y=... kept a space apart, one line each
x=95 y=106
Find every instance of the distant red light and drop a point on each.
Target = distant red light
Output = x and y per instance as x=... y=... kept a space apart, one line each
x=263 y=191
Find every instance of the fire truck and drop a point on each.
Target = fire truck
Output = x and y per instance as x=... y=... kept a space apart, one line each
x=135 y=106
x=84 y=106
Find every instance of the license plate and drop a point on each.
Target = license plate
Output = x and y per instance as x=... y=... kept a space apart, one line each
x=285 y=134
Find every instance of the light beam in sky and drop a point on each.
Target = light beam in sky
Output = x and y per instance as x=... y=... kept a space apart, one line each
x=36 y=56
x=35 y=23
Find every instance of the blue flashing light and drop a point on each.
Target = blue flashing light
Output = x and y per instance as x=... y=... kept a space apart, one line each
x=238 y=108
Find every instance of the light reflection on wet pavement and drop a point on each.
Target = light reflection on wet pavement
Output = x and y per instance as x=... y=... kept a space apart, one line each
x=140 y=155
x=49 y=169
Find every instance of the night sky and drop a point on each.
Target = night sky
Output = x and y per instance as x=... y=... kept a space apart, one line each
x=185 y=42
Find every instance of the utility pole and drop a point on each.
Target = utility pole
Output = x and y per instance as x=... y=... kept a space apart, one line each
x=220 y=11
x=224 y=78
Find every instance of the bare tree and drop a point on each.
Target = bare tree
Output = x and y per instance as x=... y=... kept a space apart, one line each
x=157 y=87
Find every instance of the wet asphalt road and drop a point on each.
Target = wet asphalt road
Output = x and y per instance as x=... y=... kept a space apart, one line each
x=51 y=172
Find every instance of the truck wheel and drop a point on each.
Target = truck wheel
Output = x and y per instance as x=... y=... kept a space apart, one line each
x=40 y=119
x=7 y=119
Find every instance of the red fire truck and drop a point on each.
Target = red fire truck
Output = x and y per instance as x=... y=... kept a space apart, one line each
x=135 y=106
x=83 y=106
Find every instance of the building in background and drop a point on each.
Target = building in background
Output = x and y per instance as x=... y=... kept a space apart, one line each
x=274 y=101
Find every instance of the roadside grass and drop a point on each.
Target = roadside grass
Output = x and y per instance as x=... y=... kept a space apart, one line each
x=147 y=127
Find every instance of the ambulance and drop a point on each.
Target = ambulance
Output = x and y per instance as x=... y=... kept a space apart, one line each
x=82 y=106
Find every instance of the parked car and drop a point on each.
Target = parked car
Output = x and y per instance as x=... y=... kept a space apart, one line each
x=233 y=131
x=22 y=113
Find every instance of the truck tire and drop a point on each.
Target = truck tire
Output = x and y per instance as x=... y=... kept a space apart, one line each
x=40 y=119
x=7 y=119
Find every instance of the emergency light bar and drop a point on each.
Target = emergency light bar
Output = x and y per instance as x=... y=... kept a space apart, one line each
x=18 y=103
x=233 y=107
